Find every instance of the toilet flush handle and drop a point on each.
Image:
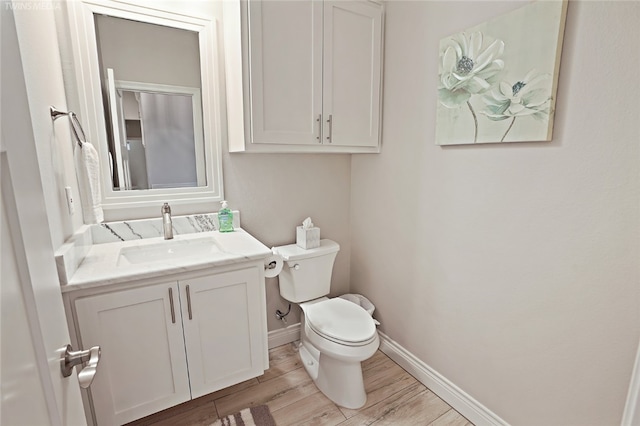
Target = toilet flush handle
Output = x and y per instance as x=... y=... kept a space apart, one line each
x=296 y=267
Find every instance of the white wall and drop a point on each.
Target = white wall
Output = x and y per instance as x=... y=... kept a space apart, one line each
x=510 y=269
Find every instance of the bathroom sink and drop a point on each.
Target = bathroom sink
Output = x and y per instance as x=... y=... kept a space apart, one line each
x=169 y=250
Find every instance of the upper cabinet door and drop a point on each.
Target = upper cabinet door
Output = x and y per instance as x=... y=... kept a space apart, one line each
x=285 y=56
x=352 y=73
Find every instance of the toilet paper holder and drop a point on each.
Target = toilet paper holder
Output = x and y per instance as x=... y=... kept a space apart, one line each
x=270 y=265
x=273 y=265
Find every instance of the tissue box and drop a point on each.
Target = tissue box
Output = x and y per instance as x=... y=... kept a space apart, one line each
x=308 y=238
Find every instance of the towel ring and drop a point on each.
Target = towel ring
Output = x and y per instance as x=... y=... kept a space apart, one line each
x=76 y=127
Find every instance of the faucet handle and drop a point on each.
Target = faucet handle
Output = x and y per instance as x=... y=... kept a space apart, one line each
x=166 y=208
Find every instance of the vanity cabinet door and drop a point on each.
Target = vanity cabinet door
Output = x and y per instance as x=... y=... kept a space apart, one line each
x=224 y=328
x=352 y=73
x=143 y=367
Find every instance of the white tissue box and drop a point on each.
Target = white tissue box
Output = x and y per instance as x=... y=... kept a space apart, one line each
x=308 y=238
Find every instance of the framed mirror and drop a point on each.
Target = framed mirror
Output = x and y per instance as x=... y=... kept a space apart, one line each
x=148 y=87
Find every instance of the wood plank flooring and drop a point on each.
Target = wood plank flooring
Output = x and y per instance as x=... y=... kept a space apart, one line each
x=394 y=397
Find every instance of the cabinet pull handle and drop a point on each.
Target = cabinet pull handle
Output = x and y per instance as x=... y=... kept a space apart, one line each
x=173 y=311
x=189 y=302
x=330 y=121
x=319 y=120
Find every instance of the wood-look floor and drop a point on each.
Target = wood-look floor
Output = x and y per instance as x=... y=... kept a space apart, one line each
x=394 y=397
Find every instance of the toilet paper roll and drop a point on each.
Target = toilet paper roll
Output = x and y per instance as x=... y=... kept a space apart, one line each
x=273 y=266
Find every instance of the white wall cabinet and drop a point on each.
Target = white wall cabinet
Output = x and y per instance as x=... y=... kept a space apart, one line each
x=165 y=343
x=312 y=76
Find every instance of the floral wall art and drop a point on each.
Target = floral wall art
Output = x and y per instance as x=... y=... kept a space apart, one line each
x=498 y=80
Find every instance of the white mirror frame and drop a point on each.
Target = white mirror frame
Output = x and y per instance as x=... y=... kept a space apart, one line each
x=87 y=72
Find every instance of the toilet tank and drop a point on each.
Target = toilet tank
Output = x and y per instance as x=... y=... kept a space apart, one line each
x=306 y=274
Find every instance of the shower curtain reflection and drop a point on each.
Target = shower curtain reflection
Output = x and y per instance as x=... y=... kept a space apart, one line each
x=168 y=140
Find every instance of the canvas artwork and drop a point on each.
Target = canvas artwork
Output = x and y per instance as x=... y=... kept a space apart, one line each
x=498 y=80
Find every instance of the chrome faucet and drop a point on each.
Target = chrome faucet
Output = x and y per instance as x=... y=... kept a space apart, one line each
x=166 y=222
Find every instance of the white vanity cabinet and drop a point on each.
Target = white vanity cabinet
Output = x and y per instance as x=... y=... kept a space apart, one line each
x=312 y=76
x=164 y=343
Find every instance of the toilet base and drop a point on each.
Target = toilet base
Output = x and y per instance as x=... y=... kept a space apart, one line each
x=309 y=357
x=350 y=391
x=338 y=380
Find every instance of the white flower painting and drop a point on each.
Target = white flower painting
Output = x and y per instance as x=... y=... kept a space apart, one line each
x=498 y=80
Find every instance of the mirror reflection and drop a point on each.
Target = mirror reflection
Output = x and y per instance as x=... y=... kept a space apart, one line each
x=150 y=78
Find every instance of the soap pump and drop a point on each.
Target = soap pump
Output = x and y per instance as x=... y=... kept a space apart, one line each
x=225 y=218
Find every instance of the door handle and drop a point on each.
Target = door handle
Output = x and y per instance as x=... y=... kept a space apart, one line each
x=71 y=358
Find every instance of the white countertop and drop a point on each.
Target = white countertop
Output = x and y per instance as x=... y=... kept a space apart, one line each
x=103 y=265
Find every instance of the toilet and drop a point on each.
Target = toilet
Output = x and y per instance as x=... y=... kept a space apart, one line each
x=336 y=335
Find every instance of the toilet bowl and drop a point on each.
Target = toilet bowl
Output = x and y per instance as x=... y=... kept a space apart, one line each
x=336 y=335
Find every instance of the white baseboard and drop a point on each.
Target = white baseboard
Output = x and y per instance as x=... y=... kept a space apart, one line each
x=462 y=402
x=283 y=336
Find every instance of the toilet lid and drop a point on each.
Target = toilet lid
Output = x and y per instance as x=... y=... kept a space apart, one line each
x=339 y=319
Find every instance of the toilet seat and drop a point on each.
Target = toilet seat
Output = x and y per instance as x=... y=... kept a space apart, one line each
x=341 y=321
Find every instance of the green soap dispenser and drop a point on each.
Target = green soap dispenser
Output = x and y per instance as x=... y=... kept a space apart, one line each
x=225 y=218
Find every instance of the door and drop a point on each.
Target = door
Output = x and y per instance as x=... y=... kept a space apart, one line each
x=33 y=389
x=121 y=155
x=285 y=56
x=352 y=73
x=34 y=327
x=143 y=367
x=223 y=329
x=25 y=401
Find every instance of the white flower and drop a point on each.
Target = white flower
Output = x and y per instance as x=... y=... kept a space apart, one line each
x=525 y=97
x=466 y=69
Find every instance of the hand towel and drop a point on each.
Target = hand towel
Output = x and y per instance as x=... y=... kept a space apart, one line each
x=88 y=173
